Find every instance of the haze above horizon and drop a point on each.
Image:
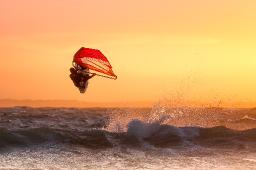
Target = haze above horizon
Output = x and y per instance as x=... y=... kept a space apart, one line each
x=198 y=50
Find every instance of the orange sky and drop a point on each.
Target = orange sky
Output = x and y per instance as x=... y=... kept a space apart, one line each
x=197 y=50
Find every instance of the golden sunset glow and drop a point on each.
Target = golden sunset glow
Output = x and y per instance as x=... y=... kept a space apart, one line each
x=198 y=50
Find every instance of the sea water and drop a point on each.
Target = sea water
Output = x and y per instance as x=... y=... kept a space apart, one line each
x=127 y=138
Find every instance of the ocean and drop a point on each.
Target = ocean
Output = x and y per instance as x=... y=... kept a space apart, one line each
x=160 y=137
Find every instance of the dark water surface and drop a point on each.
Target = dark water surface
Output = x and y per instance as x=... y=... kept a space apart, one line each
x=127 y=138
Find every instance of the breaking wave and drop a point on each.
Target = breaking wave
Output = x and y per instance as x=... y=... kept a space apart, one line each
x=101 y=128
x=137 y=135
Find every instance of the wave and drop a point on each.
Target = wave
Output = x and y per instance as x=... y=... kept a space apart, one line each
x=107 y=128
x=138 y=134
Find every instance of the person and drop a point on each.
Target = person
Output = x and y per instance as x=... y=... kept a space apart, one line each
x=80 y=77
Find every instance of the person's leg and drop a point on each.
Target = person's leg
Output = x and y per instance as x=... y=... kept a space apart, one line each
x=74 y=79
x=72 y=70
x=82 y=90
x=83 y=86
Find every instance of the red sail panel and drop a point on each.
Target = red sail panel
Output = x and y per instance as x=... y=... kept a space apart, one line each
x=94 y=60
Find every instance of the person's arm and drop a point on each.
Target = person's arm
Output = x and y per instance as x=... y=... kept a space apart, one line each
x=86 y=73
x=91 y=76
x=83 y=72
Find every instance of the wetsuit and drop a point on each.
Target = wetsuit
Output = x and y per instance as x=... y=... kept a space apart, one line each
x=79 y=79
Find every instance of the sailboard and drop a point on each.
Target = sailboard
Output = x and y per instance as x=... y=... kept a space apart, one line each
x=94 y=61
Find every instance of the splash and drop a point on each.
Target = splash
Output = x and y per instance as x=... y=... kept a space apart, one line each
x=120 y=120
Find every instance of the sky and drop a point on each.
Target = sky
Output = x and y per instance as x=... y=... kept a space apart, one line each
x=200 y=50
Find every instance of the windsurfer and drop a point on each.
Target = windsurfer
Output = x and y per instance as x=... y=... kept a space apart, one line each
x=86 y=61
x=80 y=77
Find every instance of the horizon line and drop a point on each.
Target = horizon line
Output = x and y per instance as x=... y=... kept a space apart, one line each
x=7 y=102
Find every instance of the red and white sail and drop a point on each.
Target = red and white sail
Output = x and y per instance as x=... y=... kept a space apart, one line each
x=94 y=60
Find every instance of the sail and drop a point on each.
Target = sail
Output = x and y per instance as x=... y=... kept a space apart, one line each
x=94 y=60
